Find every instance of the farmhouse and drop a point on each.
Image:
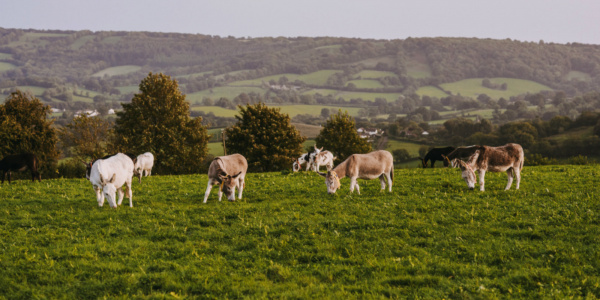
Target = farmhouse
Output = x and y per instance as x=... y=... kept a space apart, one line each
x=368 y=133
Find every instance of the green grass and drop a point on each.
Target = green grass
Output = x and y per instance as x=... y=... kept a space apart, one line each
x=216 y=148
x=217 y=110
x=81 y=41
x=372 y=74
x=315 y=78
x=578 y=75
x=472 y=87
x=120 y=70
x=315 y=110
x=365 y=83
x=579 y=133
x=228 y=92
x=129 y=89
x=34 y=90
x=430 y=238
x=309 y=131
x=412 y=148
x=372 y=62
x=431 y=91
x=5 y=55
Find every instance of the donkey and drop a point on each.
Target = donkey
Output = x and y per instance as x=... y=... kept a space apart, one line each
x=508 y=158
x=377 y=164
x=20 y=162
x=325 y=158
x=436 y=154
x=220 y=172
x=307 y=158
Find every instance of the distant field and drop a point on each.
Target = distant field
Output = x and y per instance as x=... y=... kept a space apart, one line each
x=5 y=55
x=217 y=110
x=294 y=110
x=431 y=91
x=222 y=76
x=81 y=41
x=309 y=131
x=120 y=70
x=417 y=69
x=372 y=62
x=215 y=148
x=372 y=74
x=34 y=90
x=315 y=78
x=228 y=92
x=365 y=83
x=473 y=88
x=412 y=148
x=583 y=132
x=4 y=66
x=389 y=97
x=578 y=75
x=129 y=89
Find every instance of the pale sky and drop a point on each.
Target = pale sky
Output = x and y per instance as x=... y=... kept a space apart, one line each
x=559 y=21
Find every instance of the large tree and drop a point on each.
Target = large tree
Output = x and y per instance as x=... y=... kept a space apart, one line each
x=158 y=121
x=24 y=127
x=339 y=136
x=265 y=137
x=86 y=137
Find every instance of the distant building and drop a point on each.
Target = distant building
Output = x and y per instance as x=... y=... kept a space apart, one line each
x=369 y=133
x=89 y=113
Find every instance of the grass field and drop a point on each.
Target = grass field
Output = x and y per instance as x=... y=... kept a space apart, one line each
x=4 y=66
x=372 y=74
x=120 y=70
x=431 y=91
x=5 y=55
x=430 y=238
x=228 y=92
x=315 y=78
x=365 y=83
x=412 y=148
x=472 y=87
x=78 y=43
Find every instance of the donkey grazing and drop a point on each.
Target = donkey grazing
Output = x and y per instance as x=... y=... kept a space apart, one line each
x=220 y=171
x=88 y=165
x=20 y=162
x=307 y=158
x=436 y=154
x=508 y=158
x=377 y=164
x=108 y=177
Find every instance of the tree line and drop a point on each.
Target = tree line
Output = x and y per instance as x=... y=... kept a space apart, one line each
x=158 y=120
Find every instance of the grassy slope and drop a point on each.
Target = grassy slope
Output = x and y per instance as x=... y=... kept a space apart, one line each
x=120 y=70
x=430 y=238
x=4 y=66
x=472 y=87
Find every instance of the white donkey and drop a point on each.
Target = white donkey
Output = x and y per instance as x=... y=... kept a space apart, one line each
x=324 y=158
x=109 y=175
x=143 y=164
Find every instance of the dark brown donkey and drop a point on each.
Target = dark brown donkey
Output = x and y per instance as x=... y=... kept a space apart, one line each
x=508 y=158
x=20 y=162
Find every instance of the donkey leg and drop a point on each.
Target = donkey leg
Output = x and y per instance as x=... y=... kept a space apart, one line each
x=389 y=179
x=510 y=178
x=353 y=184
x=518 y=175
x=382 y=181
x=208 y=188
x=482 y=180
x=241 y=185
x=129 y=193
x=121 y=194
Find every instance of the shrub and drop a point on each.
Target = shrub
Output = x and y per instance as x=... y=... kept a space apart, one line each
x=537 y=159
x=580 y=160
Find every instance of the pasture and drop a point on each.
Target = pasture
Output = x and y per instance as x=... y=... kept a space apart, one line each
x=119 y=70
x=429 y=238
x=473 y=88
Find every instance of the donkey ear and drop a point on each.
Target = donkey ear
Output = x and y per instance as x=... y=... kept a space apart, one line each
x=112 y=179
x=235 y=176
x=321 y=149
x=322 y=174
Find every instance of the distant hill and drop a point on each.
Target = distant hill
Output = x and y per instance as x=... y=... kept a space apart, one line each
x=84 y=69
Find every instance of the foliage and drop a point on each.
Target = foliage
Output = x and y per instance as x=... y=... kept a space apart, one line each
x=24 y=127
x=71 y=168
x=401 y=155
x=158 y=121
x=265 y=137
x=430 y=238
x=86 y=138
x=537 y=159
x=340 y=137
x=580 y=160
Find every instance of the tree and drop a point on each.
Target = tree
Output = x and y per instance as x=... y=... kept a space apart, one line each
x=340 y=137
x=158 y=121
x=24 y=127
x=265 y=137
x=86 y=137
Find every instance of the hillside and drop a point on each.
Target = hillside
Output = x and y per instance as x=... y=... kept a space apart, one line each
x=75 y=70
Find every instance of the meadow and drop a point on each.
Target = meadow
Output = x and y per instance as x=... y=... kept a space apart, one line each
x=287 y=238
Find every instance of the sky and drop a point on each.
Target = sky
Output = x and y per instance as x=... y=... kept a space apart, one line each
x=558 y=21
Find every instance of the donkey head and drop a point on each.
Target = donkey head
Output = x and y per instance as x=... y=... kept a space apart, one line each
x=228 y=184
x=332 y=181
x=109 y=190
x=467 y=172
